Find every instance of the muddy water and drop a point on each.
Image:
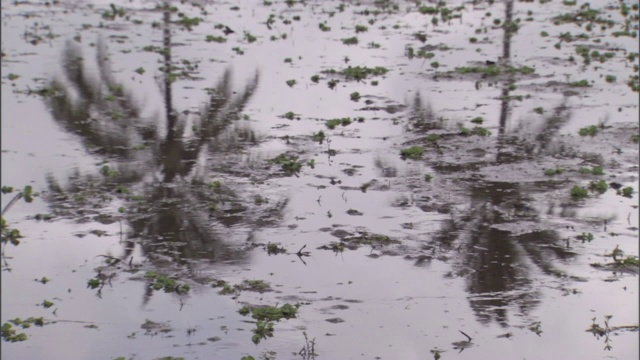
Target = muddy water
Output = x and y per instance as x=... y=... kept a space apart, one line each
x=150 y=149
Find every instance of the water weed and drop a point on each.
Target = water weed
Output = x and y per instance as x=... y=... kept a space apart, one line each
x=414 y=152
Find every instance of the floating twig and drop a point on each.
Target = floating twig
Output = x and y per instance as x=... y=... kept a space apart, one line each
x=468 y=337
x=13 y=201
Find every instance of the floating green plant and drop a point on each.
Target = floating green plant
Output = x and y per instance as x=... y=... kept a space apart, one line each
x=551 y=172
x=588 y=237
x=249 y=37
x=289 y=164
x=331 y=124
x=359 y=73
x=581 y=83
x=217 y=39
x=578 y=192
x=596 y=170
x=274 y=249
x=318 y=137
x=414 y=152
x=289 y=115
x=271 y=313
x=350 y=41
x=599 y=186
x=588 y=131
x=626 y=192
x=162 y=282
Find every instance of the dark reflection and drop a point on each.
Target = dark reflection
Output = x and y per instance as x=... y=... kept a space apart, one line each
x=422 y=117
x=498 y=235
x=183 y=196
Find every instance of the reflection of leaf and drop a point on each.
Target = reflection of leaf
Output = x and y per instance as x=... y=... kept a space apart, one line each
x=96 y=109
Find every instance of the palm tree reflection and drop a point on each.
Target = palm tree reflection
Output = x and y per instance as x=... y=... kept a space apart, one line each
x=169 y=199
x=499 y=232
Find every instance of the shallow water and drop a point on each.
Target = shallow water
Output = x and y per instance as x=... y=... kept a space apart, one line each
x=171 y=172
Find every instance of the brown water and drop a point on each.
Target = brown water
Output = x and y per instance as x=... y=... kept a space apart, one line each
x=141 y=169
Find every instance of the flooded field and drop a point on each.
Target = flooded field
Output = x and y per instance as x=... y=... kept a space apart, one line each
x=320 y=179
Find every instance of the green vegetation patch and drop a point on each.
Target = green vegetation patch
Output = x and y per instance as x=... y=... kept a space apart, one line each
x=10 y=333
x=578 y=192
x=350 y=41
x=259 y=286
x=288 y=163
x=358 y=73
x=494 y=70
x=271 y=313
x=166 y=283
x=584 y=15
x=333 y=123
x=552 y=172
x=588 y=131
x=414 y=152
x=599 y=186
x=370 y=239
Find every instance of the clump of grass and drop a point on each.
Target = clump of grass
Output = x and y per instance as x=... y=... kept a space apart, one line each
x=480 y=131
x=596 y=170
x=588 y=237
x=319 y=136
x=165 y=283
x=578 y=192
x=538 y=110
x=289 y=164
x=490 y=70
x=610 y=79
x=361 y=28
x=291 y=82
x=315 y=78
x=433 y=137
x=414 y=152
x=249 y=37
x=218 y=39
x=588 y=131
x=274 y=249
x=626 y=192
x=581 y=83
x=477 y=120
x=350 y=41
x=331 y=124
x=355 y=96
x=359 y=73
x=551 y=172
x=271 y=313
x=290 y=115
x=428 y=177
x=599 y=186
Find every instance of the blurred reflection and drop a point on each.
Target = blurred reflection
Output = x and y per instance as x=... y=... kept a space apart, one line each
x=497 y=234
x=183 y=195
